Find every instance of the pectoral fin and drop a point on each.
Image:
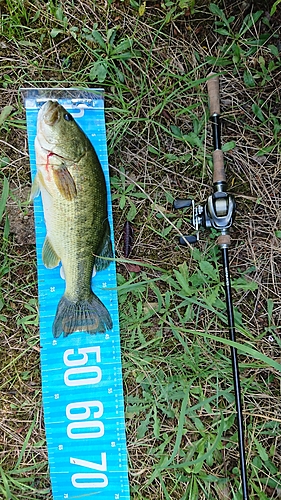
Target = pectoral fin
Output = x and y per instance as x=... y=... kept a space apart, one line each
x=49 y=256
x=65 y=183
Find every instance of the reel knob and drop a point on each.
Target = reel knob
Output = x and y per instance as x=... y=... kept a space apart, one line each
x=192 y=239
x=178 y=204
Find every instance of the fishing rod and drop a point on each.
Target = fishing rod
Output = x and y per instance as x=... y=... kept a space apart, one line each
x=219 y=213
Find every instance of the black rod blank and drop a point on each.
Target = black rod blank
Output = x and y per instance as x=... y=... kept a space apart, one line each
x=235 y=371
x=224 y=242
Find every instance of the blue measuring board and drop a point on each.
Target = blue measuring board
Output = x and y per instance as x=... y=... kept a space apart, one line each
x=82 y=373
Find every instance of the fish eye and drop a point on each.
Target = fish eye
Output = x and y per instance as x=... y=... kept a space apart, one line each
x=68 y=117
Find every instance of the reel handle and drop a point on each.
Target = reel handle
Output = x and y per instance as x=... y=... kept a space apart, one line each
x=219 y=176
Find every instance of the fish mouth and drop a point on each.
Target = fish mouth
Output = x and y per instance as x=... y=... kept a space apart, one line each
x=51 y=112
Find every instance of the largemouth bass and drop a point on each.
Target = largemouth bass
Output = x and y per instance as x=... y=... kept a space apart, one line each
x=72 y=185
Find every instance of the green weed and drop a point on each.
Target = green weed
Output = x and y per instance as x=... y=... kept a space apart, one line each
x=241 y=45
x=176 y=9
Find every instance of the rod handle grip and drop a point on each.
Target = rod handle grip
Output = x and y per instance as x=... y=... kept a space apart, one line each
x=219 y=172
x=224 y=240
x=213 y=86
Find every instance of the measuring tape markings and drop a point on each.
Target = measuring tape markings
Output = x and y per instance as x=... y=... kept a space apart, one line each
x=81 y=374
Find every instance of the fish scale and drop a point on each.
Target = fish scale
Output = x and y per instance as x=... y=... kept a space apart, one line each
x=73 y=273
x=81 y=373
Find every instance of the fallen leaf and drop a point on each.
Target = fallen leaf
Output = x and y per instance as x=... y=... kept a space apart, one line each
x=133 y=268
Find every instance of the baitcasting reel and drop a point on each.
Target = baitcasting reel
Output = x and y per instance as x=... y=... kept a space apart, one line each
x=217 y=213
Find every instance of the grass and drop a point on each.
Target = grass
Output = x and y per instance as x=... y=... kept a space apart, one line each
x=153 y=59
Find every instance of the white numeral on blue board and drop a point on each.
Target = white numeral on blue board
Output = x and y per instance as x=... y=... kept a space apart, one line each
x=90 y=475
x=71 y=376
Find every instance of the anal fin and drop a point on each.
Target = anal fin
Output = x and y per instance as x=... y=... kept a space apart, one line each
x=49 y=256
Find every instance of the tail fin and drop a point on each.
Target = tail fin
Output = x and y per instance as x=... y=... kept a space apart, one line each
x=86 y=315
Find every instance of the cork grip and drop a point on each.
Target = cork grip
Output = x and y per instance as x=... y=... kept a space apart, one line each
x=219 y=173
x=214 y=94
x=224 y=239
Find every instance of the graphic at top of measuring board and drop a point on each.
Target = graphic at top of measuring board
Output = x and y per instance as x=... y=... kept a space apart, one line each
x=79 y=323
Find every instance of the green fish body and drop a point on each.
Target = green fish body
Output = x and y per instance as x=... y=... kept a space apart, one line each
x=72 y=184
